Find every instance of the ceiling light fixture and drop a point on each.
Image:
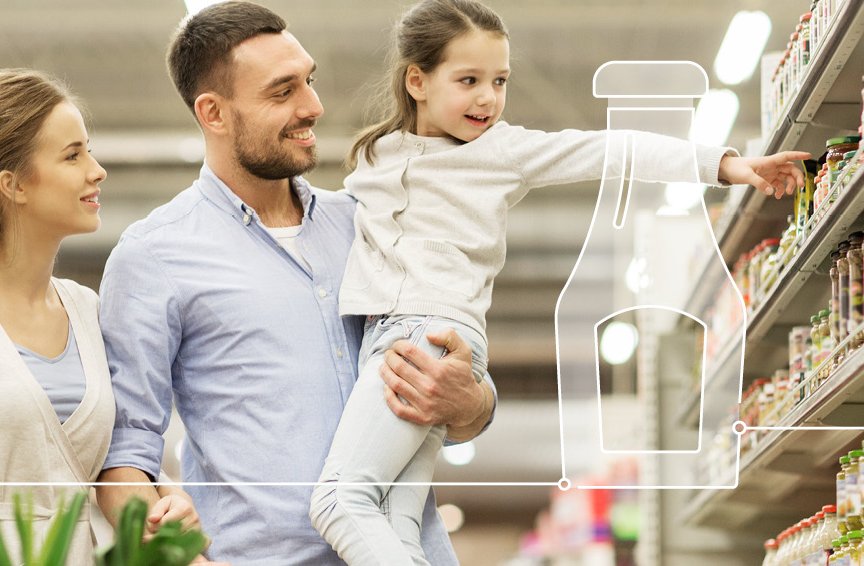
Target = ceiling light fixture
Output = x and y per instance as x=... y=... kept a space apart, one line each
x=715 y=116
x=742 y=47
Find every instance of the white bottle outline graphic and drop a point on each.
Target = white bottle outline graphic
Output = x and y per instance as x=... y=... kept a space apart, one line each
x=614 y=213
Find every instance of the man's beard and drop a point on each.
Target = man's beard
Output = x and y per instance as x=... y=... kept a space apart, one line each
x=268 y=160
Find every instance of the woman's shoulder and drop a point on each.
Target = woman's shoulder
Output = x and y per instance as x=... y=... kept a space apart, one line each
x=79 y=293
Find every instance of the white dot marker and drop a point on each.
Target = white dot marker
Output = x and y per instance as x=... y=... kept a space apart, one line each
x=739 y=427
x=564 y=484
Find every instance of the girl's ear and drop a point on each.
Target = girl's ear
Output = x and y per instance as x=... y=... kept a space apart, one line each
x=10 y=188
x=415 y=83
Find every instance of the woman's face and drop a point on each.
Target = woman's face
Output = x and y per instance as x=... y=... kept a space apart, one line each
x=61 y=195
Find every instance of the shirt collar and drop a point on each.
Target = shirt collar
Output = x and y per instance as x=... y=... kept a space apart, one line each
x=216 y=191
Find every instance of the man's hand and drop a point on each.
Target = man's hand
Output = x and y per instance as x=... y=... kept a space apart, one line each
x=773 y=174
x=437 y=391
x=175 y=506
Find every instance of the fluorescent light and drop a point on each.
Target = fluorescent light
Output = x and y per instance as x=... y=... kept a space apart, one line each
x=459 y=454
x=684 y=196
x=618 y=343
x=195 y=6
x=742 y=47
x=715 y=117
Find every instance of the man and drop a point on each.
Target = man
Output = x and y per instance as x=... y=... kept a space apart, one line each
x=227 y=298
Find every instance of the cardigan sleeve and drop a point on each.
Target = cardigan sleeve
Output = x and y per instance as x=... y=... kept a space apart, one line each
x=570 y=156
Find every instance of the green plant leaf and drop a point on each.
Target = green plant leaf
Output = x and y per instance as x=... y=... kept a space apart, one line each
x=129 y=532
x=59 y=537
x=24 y=524
x=170 y=546
x=5 y=560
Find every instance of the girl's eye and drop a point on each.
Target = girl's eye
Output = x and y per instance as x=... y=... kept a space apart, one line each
x=468 y=80
x=310 y=80
x=500 y=81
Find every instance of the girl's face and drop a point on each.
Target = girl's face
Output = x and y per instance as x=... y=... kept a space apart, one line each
x=465 y=94
x=61 y=195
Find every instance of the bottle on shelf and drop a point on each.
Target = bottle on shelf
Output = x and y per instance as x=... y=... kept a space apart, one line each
x=843 y=288
x=770 y=553
x=827 y=342
x=842 y=505
x=856 y=286
x=853 y=492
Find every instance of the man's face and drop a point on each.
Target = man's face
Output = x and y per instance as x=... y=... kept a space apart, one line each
x=274 y=107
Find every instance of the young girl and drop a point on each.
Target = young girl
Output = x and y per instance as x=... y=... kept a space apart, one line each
x=56 y=404
x=434 y=182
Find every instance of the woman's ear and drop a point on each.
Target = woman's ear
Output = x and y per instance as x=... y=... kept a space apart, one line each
x=10 y=188
x=415 y=83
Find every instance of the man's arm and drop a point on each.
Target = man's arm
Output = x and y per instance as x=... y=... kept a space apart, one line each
x=438 y=391
x=112 y=498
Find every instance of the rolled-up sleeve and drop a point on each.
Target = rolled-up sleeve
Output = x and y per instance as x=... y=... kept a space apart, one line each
x=141 y=326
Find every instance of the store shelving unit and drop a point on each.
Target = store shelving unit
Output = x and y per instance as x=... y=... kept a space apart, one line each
x=788 y=474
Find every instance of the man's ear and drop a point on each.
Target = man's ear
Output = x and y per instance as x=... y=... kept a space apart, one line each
x=10 y=188
x=210 y=110
x=415 y=83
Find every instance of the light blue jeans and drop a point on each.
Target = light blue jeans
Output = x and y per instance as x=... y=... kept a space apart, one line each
x=362 y=510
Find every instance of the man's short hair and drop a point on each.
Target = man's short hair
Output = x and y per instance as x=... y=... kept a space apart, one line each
x=200 y=54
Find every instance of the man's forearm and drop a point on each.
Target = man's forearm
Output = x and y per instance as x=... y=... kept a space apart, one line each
x=473 y=428
x=112 y=498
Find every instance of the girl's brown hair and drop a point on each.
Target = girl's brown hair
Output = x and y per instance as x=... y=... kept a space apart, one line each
x=27 y=97
x=420 y=38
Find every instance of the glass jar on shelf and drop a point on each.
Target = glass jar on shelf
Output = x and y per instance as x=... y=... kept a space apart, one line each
x=827 y=342
x=856 y=287
x=843 y=290
x=837 y=147
x=805 y=38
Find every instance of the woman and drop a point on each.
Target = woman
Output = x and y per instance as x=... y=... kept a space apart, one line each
x=56 y=405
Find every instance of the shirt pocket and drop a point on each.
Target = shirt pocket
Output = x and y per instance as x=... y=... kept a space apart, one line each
x=364 y=265
x=449 y=269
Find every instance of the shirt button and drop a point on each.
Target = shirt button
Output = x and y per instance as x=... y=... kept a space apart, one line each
x=247 y=219
x=419 y=146
x=321 y=292
x=338 y=353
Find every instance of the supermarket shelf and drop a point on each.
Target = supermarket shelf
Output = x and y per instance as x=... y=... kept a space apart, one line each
x=825 y=99
x=835 y=227
x=776 y=471
x=782 y=302
x=688 y=412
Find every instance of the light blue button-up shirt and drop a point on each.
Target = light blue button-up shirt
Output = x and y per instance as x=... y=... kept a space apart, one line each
x=199 y=300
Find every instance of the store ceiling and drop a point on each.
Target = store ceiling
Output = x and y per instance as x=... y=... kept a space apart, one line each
x=112 y=54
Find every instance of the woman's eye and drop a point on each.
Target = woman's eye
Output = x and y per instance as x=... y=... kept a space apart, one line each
x=72 y=156
x=468 y=80
x=310 y=80
x=501 y=81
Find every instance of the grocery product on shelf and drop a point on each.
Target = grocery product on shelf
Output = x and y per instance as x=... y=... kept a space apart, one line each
x=804 y=44
x=814 y=541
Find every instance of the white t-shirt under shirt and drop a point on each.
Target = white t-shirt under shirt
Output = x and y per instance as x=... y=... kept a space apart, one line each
x=287 y=238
